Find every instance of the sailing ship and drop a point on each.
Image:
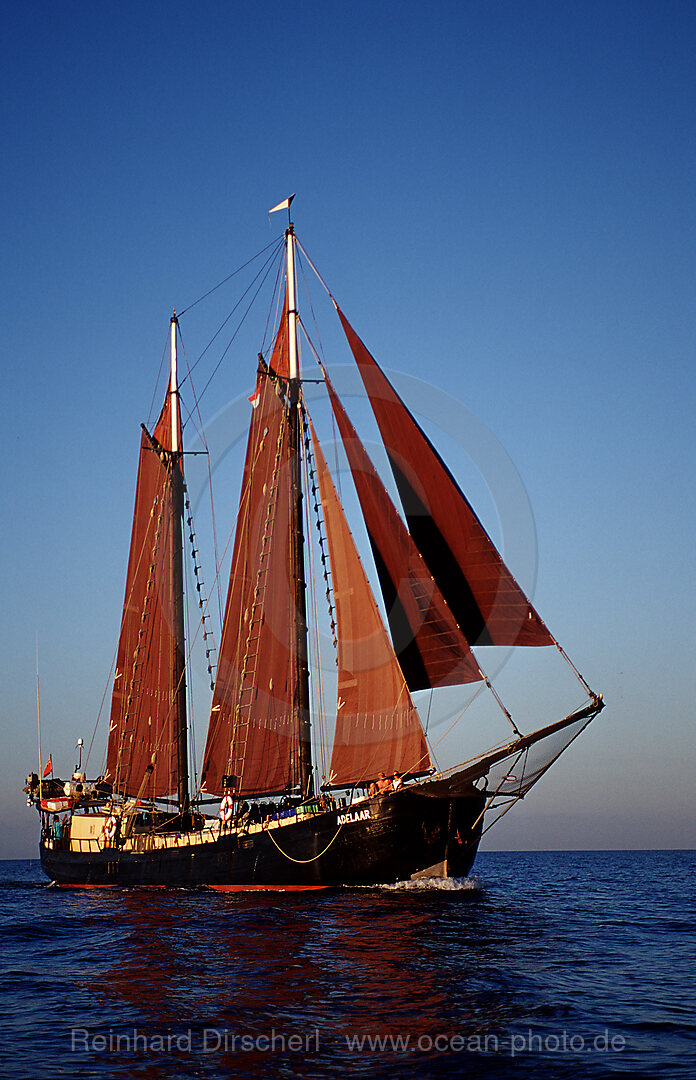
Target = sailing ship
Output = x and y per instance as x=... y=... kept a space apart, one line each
x=258 y=814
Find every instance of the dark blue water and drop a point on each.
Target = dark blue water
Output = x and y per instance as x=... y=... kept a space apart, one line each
x=577 y=964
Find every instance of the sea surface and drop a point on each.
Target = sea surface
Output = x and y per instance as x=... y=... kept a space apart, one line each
x=544 y=964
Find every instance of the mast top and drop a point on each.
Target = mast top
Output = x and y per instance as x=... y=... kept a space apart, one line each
x=174 y=383
x=293 y=355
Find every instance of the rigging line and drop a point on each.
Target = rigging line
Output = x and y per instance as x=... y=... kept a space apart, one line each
x=328 y=290
x=459 y=716
x=502 y=814
x=316 y=641
x=229 y=277
x=159 y=375
x=201 y=435
x=239 y=327
x=508 y=749
x=234 y=335
x=276 y=293
x=311 y=307
x=304 y=861
x=430 y=705
x=426 y=759
x=215 y=542
x=486 y=809
x=572 y=666
x=101 y=706
x=203 y=599
x=320 y=361
x=266 y=267
x=505 y=712
x=488 y=804
x=563 y=749
x=182 y=405
x=193 y=776
x=336 y=462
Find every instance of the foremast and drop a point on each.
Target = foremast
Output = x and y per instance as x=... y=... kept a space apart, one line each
x=177 y=511
x=295 y=440
x=147 y=756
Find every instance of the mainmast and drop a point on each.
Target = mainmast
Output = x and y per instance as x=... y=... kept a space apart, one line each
x=179 y=659
x=295 y=438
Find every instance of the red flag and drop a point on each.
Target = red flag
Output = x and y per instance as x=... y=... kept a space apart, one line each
x=49 y=766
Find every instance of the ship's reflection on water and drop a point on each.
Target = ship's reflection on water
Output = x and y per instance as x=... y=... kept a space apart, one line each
x=562 y=965
x=355 y=981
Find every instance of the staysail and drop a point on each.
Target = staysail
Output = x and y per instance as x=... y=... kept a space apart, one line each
x=252 y=744
x=430 y=647
x=142 y=747
x=377 y=725
x=488 y=604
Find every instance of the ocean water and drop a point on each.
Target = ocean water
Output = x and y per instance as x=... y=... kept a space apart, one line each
x=544 y=964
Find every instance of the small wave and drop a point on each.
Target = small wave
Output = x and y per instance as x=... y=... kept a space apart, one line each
x=468 y=884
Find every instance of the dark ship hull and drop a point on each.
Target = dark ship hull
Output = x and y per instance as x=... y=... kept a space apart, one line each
x=395 y=837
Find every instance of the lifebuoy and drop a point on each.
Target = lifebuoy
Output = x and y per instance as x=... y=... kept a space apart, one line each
x=226 y=808
x=110 y=826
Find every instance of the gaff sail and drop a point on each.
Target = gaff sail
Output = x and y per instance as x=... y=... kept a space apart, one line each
x=252 y=744
x=142 y=747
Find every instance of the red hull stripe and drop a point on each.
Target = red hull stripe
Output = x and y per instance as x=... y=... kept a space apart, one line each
x=268 y=888
x=69 y=885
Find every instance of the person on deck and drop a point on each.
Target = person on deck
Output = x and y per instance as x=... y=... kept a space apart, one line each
x=384 y=784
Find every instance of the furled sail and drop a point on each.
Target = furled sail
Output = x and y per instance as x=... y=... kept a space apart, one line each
x=142 y=747
x=252 y=743
x=486 y=601
x=377 y=725
x=430 y=647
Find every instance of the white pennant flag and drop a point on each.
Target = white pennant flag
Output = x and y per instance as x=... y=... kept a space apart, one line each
x=284 y=205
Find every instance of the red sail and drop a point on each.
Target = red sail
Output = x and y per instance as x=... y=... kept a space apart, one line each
x=142 y=751
x=377 y=725
x=485 y=599
x=430 y=647
x=252 y=744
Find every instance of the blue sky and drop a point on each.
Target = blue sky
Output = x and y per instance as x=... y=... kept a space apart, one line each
x=501 y=195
